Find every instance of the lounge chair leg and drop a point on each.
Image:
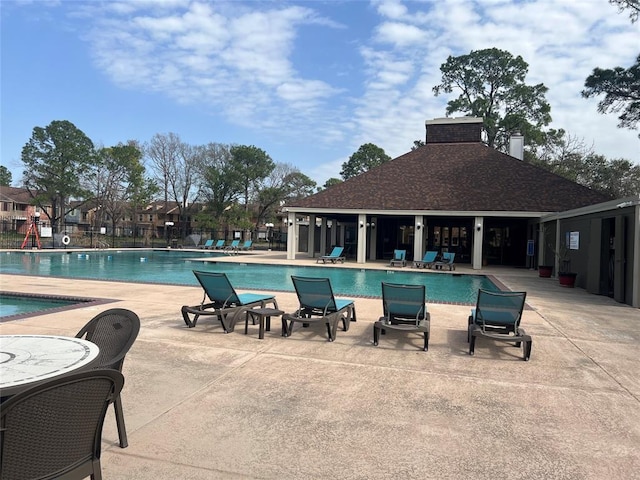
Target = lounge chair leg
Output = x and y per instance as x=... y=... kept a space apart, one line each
x=426 y=341
x=284 y=328
x=329 y=333
x=472 y=344
x=332 y=324
x=187 y=321
x=527 y=350
x=376 y=335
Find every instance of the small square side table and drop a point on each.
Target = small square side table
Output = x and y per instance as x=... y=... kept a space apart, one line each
x=261 y=314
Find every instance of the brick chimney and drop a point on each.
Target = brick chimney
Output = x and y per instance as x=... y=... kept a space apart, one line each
x=454 y=130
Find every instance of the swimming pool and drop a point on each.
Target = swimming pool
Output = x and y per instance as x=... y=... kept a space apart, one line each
x=173 y=267
x=21 y=305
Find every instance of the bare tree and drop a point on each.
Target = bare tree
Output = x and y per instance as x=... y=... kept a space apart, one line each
x=177 y=166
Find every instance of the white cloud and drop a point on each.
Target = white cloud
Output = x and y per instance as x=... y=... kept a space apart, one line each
x=391 y=9
x=400 y=34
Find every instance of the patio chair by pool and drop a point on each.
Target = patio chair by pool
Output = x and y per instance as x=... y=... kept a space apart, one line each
x=208 y=244
x=446 y=262
x=427 y=261
x=233 y=247
x=248 y=245
x=333 y=257
x=399 y=258
x=114 y=331
x=225 y=303
x=318 y=305
x=404 y=310
x=497 y=316
x=54 y=429
x=219 y=245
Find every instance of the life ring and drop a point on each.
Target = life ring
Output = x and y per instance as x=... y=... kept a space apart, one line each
x=66 y=240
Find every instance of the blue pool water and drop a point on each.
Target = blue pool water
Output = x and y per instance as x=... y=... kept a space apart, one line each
x=172 y=267
x=15 y=305
x=22 y=305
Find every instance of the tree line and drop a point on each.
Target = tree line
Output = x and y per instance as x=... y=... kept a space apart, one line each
x=216 y=184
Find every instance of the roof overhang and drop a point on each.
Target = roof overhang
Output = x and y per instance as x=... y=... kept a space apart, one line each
x=433 y=213
x=591 y=209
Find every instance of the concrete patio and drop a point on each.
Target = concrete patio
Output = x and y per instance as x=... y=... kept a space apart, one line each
x=200 y=404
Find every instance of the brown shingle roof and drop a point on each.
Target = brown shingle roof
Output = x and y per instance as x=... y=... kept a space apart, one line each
x=15 y=194
x=456 y=177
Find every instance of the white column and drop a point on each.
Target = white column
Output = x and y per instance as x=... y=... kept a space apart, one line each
x=323 y=236
x=373 y=243
x=418 y=232
x=292 y=238
x=311 y=237
x=361 y=256
x=478 y=233
x=541 y=245
x=334 y=232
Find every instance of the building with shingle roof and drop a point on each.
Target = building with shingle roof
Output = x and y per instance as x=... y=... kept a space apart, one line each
x=455 y=194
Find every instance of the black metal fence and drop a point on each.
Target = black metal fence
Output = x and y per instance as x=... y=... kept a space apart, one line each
x=132 y=238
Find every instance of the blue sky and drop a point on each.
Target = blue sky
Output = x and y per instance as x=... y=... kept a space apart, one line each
x=307 y=81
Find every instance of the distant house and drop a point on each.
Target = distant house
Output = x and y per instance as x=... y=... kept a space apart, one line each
x=16 y=209
x=455 y=194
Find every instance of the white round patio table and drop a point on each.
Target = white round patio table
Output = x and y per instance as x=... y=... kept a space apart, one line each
x=29 y=359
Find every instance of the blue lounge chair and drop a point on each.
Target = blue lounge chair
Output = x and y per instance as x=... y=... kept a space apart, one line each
x=208 y=244
x=427 y=261
x=233 y=248
x=219 y=244
x=497 y=316
x=333 y=257
x=248 y=245
x=404 y=310
x=318 y=305
x=225 y=303
x=399 y=258
x=446 y=262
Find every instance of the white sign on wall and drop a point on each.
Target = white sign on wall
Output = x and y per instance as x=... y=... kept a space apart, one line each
x=574 y=240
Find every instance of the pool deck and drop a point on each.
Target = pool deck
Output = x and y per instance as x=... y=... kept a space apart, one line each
x=200 y=404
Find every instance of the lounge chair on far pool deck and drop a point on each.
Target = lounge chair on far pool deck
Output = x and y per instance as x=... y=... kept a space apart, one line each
x=333 y=257
x=233 y=248
x=219 y=245
x=208 y=244
x=248 y=245
x=318 y=305
x=446 y=262
x=225 y=303
x=427 y=261
x=399 y=258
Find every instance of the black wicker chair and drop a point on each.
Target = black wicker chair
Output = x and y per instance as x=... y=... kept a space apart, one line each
x=54 y=430
x=114 y=331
